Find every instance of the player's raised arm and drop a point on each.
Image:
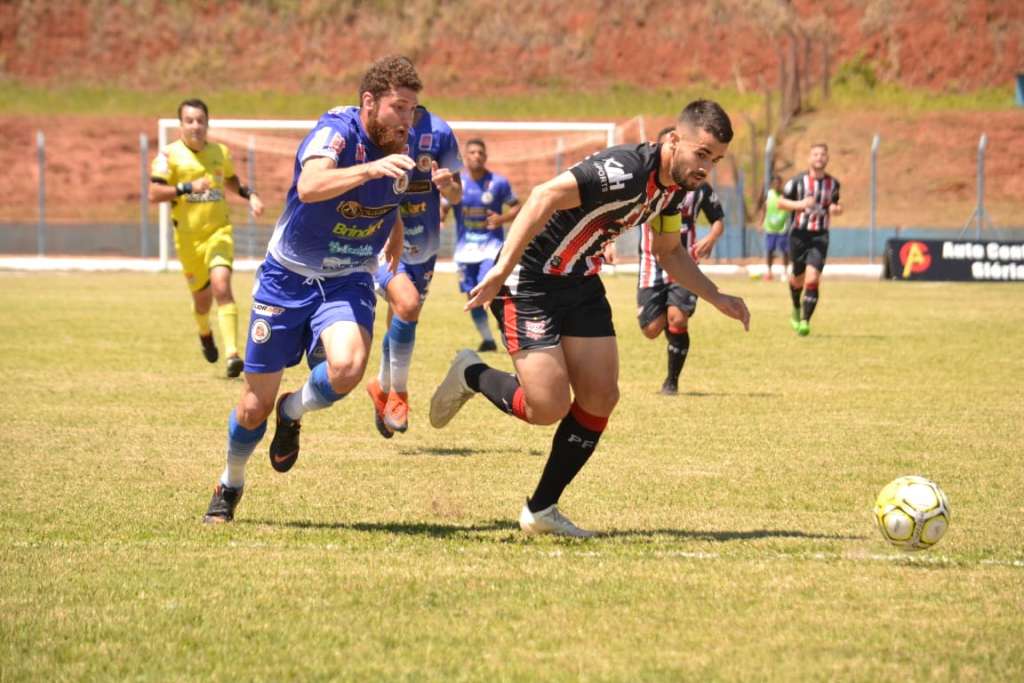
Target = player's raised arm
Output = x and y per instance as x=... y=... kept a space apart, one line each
x=321 y=179
x=561 y=192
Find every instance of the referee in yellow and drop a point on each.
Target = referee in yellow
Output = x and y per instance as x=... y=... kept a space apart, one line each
x=193 y=174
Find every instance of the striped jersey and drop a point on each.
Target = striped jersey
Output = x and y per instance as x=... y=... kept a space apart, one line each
x=619 y=189
x=702 y=200
x=825 y=191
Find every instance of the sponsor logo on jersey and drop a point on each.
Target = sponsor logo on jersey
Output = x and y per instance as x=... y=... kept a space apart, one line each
x=267 y=309
x=426 y=140
x=612 y=174
x=360 y=153
x=401 y=184
x=423 y=162
x=356 y=232
x=352 y=209
x=337 y=143
x=487 y=198
x=260 y=332
x=419 y=187
x=413 y=208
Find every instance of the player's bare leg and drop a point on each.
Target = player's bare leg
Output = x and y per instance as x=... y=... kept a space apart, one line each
x=202 y=301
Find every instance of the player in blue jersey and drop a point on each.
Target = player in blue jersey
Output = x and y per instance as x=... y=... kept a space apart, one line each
x=316 y=283
x=434 y=147
x=480 y=227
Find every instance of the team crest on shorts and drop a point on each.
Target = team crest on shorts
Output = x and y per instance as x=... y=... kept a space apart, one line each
x=260 y=332
x=535 y=329
x=423 y=162
x=486 y=198
x=401 y=184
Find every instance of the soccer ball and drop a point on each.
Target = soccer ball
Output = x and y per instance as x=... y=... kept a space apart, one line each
x=912 y=513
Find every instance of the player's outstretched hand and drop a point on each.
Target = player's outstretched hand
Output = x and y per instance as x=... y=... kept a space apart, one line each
x=486 y=290
x=391 y=166
x=256 y=204
x=441 y=177
x=734 y=307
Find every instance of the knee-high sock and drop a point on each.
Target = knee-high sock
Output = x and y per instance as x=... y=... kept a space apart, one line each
x=678 y=347
x=384 y=375
x=227 y=320
x=316 y=394
x=479 y=316
x=574 y=442
x=794 y=293
x=401 y=339
x=810 y=299
x=202 y=321
x=241 y=443
x=501 y=388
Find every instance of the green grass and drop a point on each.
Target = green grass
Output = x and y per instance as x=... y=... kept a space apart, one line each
x=739 y=544
x=557 y=102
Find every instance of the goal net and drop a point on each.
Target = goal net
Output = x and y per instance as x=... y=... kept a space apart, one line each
x=263 y=150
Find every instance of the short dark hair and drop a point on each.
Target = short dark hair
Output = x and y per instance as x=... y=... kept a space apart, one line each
x=476 y=141
x=665 y=131
x=709 y=116
x=194 y=102
x=822 y=145
x=387 y=74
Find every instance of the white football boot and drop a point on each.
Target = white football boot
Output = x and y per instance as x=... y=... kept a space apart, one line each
x=550 y=521
x=453 y=392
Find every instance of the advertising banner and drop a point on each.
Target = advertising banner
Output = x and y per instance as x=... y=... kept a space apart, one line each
x=955 y=260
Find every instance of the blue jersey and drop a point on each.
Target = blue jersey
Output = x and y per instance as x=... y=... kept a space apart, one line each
x=474 y=242
x=431 y=139
x=341 y=235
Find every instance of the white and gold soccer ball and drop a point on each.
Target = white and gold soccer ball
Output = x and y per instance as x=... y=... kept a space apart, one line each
x=912 y=513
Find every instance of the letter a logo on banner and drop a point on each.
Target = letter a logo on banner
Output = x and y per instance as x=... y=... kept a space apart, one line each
x=915 y=258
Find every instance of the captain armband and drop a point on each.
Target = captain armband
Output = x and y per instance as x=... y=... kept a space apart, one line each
x=666 y=225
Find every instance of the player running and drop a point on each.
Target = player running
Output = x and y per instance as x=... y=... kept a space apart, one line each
x=662 y=304
x=553 y=314
x=813 y=198
x=434 y=147
x=480 y=228
x=192 y=174
x=316 y=283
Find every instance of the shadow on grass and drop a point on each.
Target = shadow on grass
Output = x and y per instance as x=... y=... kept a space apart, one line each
x=460 y=452
x=725 y=536
x=714 y=394
x=400 y=528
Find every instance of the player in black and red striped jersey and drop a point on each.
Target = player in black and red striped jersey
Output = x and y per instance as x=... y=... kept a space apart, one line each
x=555 y=319
x=663 y=304
x=813 y=198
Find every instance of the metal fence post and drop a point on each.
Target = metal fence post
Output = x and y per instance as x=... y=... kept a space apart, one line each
x=875 y=142
x=559 y=151
x=143 y=196
x=769 y=161
x=41 y=229
x=251 y=245
x=741 y=213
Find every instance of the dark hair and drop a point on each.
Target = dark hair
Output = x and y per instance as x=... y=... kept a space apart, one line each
x=389 y=73
x=476 y=141
x=665 y=131
x=709 y=116
x=194 y=102
x=822 y=145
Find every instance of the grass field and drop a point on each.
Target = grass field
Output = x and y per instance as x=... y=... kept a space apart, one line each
x=739 y=542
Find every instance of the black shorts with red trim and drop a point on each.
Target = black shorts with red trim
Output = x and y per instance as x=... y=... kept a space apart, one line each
x=545 y=308
x=653 y=302
x=808 y=248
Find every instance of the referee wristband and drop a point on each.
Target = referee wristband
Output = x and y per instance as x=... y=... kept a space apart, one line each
x=244 y=191
x=183 y=188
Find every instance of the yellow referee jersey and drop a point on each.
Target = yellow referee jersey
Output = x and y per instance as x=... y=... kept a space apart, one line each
x=177 y=163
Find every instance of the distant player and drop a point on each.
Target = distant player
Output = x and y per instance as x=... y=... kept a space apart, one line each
x=773 y=224
x=436 y=151
x=480 y=227
x=663 y=305
x=555 y=319
x=316 y=283
x=192 y=174
x=813 y=198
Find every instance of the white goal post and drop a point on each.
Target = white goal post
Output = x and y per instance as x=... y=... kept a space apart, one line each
x=165 y=125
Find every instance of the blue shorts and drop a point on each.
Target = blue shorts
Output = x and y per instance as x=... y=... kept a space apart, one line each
x=290 y=311
x=776 y=241
x=471 y=273
x=419 y=273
